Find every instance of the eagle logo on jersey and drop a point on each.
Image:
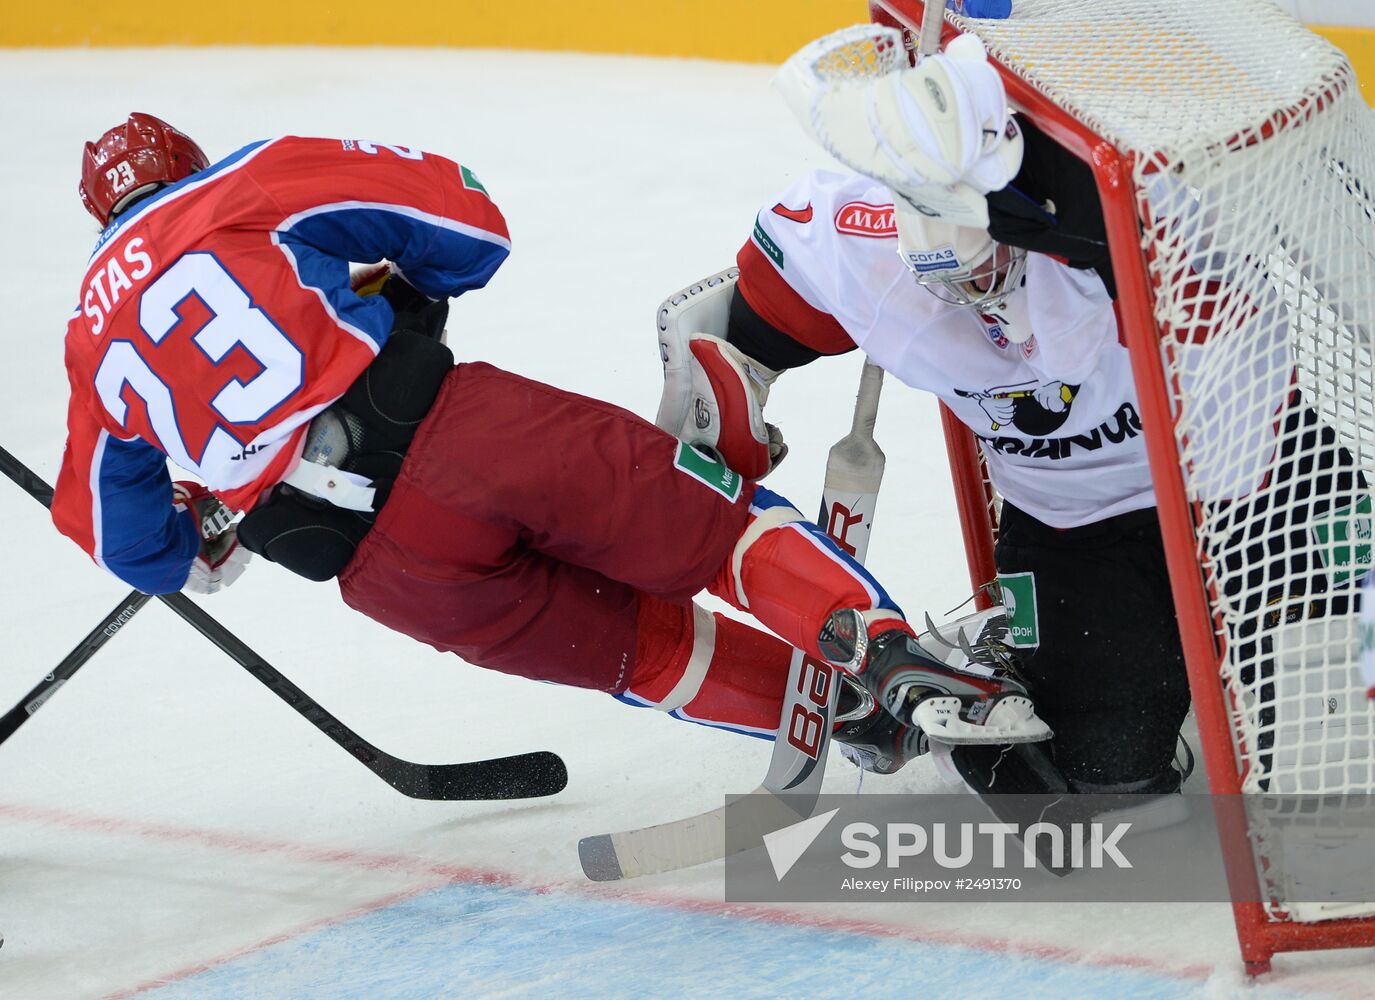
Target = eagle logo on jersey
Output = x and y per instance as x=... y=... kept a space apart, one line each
x=1033 y=408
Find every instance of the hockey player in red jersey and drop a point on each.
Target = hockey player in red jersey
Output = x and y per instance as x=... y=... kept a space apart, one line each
x=525 y=528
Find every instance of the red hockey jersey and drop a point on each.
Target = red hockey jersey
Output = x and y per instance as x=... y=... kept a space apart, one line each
x=216 y=319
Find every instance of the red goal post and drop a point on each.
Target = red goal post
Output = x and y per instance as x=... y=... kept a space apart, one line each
x=1231 y=152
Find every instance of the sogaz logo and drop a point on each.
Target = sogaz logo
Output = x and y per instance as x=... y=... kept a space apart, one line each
x=940 y=258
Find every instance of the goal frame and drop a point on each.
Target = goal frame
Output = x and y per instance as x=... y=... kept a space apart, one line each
x=1261 y=936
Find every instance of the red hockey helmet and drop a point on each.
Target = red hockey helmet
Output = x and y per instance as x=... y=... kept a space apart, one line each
x=132 y=158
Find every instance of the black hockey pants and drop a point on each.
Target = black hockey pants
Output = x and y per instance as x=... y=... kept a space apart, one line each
x=1108 y=675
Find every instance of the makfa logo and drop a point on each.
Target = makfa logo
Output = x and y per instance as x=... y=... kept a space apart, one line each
x=859 y=218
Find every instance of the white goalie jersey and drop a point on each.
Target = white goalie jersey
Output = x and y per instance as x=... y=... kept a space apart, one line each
x=1056 y=415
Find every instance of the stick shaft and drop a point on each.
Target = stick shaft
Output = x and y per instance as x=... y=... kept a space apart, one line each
x=932 y=24
x=520 y=776
x=866 y=403
x=71 y=663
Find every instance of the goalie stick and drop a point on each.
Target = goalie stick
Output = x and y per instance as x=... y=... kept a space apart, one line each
x=854 y=471
x=794 y=778
x=527 y=775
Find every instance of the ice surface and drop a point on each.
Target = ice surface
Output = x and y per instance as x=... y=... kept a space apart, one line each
x=164 y=820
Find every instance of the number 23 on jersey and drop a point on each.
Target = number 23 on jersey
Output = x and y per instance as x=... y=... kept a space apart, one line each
x=191 y=318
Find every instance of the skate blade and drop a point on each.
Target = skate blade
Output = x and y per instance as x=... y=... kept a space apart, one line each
x=1011 y=719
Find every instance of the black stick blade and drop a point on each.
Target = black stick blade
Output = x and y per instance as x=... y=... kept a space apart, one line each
x=523 y=776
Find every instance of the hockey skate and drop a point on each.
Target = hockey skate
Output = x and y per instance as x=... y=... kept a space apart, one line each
x=869 y=737
x=950 y=688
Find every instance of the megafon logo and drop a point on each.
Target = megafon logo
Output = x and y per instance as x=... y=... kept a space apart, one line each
x=859 y=218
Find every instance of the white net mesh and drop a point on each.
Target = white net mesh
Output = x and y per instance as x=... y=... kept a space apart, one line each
x=1254 y=159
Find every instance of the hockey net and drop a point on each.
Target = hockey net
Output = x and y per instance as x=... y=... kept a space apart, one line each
x=1235 y=160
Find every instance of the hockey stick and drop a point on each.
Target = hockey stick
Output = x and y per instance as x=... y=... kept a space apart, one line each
x=527 y=775
x=794 y=778
x=854 y=471
x=71 y=663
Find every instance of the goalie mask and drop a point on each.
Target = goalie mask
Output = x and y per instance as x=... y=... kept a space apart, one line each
x=961 y=265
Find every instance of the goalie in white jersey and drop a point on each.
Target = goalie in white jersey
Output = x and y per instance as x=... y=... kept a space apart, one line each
x=1010 y=320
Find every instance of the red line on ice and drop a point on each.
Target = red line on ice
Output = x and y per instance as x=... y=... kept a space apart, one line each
x=187 y=971
x=435 y=875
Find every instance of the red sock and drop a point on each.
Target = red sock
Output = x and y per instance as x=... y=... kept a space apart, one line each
x=707 y=668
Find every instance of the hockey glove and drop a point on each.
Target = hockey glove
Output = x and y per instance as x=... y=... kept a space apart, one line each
x=412 y=310
x=714 y=394
x=221 y=559
x=938 y=133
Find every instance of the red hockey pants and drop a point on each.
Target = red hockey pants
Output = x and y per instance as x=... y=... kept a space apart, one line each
x=524 y=524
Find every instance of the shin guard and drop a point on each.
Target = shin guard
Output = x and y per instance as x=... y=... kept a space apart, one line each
x=786 y=572
x=707 y=668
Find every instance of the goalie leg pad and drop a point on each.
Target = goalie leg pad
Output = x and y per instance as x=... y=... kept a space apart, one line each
x=787 y=573
x=707 y=668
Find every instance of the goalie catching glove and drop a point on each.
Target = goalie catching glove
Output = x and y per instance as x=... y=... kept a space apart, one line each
x=221 y=560
x=954 y=692
x=939 y=134
x=714 y=394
